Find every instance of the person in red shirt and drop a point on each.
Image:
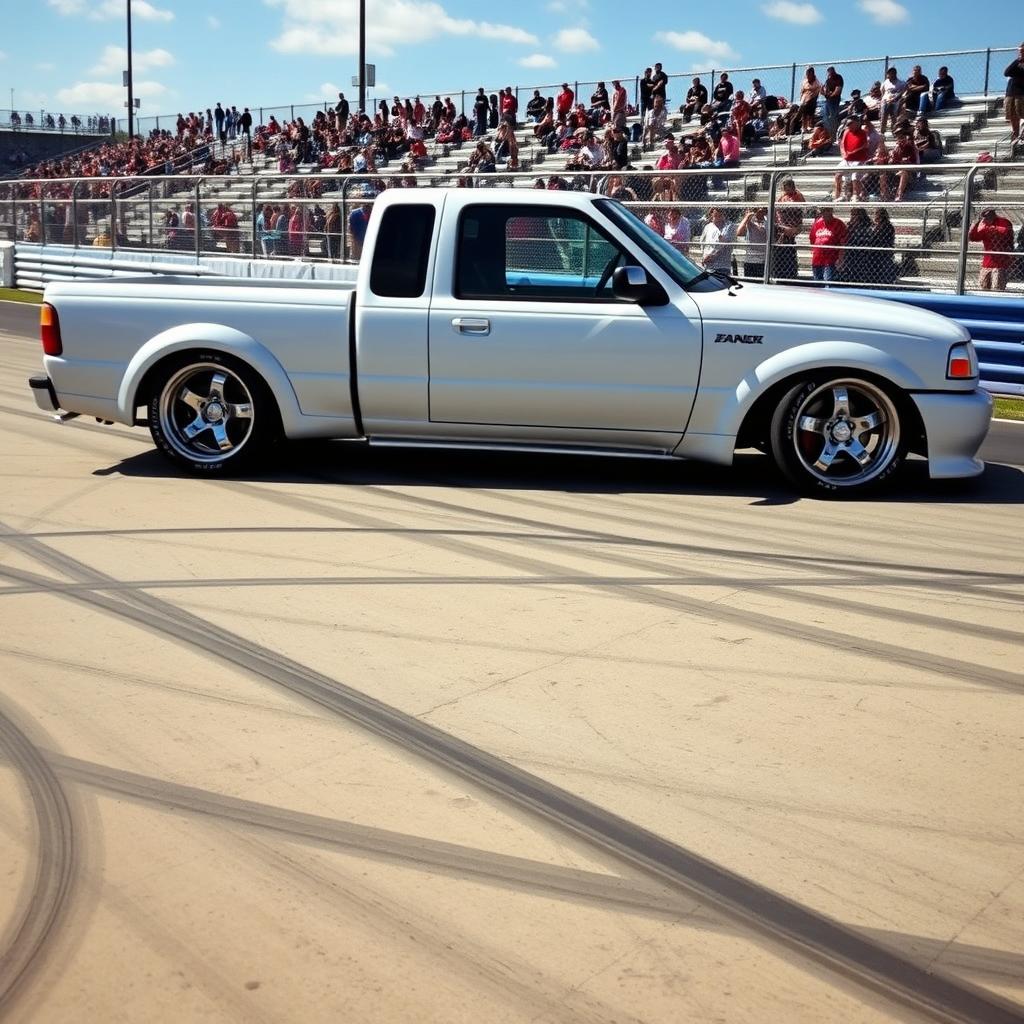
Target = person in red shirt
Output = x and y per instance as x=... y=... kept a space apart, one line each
x=563 y=104
x=996 y=236
x=509 y=106
x=828 y=236
x=853 y=148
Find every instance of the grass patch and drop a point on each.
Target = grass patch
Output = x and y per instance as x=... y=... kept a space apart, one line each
x=17 y=295
x=1009 y=409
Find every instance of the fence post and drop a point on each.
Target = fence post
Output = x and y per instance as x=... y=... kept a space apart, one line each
x=198 y=220
x=292 y=108
x=149 y=192
x=792 y=85
x=576 y=91
x=988 y=62
x=462 y=102
x=636 y=92
x=254 y=219
x=769 y=245
x=42 y=216
x=965 y=214
x=885 y=65
x=113 y=220
x=344 y=223
x=74 y=215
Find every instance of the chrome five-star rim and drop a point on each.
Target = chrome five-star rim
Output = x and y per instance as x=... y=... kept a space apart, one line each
x=847 y=432
x=206 y=412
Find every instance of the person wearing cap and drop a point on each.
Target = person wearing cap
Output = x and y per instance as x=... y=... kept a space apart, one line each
x=856 y=107
x=996 y=236
x=828 y=236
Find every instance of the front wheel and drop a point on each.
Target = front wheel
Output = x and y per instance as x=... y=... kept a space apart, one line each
x=838 y=437
x=211 y=414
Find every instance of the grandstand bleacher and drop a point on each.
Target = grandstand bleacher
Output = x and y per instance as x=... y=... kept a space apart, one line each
x=928 y=225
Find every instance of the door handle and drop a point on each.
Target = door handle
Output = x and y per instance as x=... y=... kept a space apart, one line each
x=471 y=325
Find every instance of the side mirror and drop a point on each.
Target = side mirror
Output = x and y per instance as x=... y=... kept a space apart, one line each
x=633 y=285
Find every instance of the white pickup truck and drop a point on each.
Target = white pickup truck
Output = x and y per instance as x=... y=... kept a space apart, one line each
x=508 y=320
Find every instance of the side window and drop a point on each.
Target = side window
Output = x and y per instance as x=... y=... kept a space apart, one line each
x=550 y=253
x=402 y=251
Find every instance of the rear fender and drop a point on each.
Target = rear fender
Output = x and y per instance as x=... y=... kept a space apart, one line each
x=215 y=338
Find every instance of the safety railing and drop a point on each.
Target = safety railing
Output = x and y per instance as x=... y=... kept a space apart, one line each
x=54 y=122
x=975 y=72
x=771 y=225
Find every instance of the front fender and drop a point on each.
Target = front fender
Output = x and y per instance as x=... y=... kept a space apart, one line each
x=720 y=411
x=216 y=338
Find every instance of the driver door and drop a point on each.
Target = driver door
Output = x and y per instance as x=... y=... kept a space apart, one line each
x=532 y=335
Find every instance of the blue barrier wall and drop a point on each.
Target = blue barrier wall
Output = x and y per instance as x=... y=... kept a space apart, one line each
x=996 y=323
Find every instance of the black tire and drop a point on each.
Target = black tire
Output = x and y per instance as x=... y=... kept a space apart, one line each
x=229 y=403
x=837 y=435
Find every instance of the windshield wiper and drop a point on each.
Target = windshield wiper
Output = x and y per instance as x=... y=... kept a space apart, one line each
x=706 y=275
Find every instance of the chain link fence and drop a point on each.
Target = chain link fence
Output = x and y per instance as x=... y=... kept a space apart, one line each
x=787 y=226
x=56 y=122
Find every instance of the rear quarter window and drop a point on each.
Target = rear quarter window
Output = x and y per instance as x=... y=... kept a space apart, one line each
x=402 y=251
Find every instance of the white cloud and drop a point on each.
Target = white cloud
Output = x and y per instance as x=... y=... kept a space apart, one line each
x=110 y=9
x=45 y=65
x=575 y=40
x=697 y=42
x=325 y=91
x=107 y=96
x=115 y=59
x=325 y=27
x=795 y=14
x=213 y=21
x=3 y=56
x=567 y=6
x=537 y=60
x=885 y=12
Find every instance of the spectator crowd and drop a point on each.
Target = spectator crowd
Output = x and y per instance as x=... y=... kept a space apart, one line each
x=879 y=139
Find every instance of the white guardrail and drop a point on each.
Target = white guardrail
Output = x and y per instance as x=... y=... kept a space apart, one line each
x=30 y=266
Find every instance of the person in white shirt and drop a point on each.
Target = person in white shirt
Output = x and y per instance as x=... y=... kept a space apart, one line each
x=754 y=228
x=757 y=92
x=654 y=122
x=677 y=230
x=893 y=89
x=716 y=242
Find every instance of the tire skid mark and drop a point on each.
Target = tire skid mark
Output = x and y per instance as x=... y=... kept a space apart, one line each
x=56 y=857
x=844 y=950
x=786 y=585
x=699 y=608
x=567 y=534
x=419 y=851
x=837 y=564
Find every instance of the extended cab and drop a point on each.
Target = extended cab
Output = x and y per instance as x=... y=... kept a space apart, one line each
x=523 y=320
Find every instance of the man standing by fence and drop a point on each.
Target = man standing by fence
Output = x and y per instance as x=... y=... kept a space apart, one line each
x=996 y=236
x=1015 y=92
x=828 y=236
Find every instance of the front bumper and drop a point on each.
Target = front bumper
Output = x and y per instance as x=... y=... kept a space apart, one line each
x=955 y=424
x=44 y=394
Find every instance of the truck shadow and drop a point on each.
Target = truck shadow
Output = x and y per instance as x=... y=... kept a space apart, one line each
x=752 y=476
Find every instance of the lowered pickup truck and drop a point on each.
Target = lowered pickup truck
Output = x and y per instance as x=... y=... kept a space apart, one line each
x=507 y=320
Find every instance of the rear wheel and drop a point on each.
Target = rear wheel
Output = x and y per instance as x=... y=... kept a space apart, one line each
x=838 y=437
x=210 y=413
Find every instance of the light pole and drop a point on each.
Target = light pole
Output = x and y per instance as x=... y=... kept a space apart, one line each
x=362 y=56
x=128 y=75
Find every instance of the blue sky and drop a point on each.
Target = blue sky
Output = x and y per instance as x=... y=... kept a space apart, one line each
x=68 y=54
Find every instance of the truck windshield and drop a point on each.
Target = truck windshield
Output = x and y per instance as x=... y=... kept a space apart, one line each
x=670 y=259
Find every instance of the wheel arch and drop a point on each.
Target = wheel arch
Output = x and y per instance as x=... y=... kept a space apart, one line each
x=756 y=424
x=763 y=387
x=144 y=368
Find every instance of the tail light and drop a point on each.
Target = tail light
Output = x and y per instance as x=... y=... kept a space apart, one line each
x=962 y=363
x=49 y=330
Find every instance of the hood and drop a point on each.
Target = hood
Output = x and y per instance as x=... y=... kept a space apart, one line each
x=780 y=304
